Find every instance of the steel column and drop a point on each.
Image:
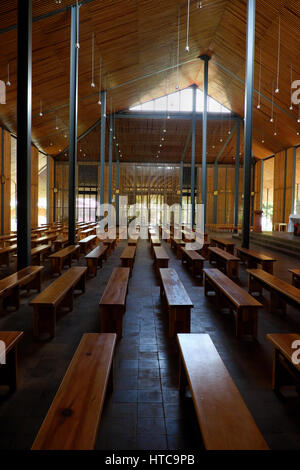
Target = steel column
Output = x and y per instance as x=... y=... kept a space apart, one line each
x=117 y=190
x=248 y=121
x=102 y=146
x=237 y=175
x=110 y=157
x=193 y=157
x=73 y=124
x=24 y=117
x=284 y=186
x=181 y=182
x=206 y=59
x=2 y=184
x=293 y=180
x=253 y=191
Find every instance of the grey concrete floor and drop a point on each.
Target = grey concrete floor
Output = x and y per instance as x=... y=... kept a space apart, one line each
x=145 y=410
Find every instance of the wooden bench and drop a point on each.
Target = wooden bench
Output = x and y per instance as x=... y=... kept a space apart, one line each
x=226 y=245
x=176 y=245
x=60 y=244
x=194 y=260
x=87 y=243
x=47 y=239
x=285 y=371
x=224 y=418
x=39 y=253
x=133 y=242
x=10 y=286
x=113 y=302
x=128 y=257
x=5 y=238
x=59 y=293
x=73 y=418
x=295 y=277
x=225 y=261
x=281 y=292
x=87 y=232
x=179 y=304
x=9 y=362
x=95 y=259
x=204 y=250
x=253 y=258
x=110 y=243
x=5 y=252
x=241 y=302
x=161 y=259
x=63 y=256
x=154 y=242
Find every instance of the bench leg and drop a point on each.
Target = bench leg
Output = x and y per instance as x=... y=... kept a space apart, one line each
x=44 y=320
x=13 y=299
x=254 y=285
x=179 y=320
x=246 y=322
x=276 y=302
x=9 y=371
x=111 y=319
x=183 y=382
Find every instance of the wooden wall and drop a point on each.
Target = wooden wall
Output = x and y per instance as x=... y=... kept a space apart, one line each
x=283 y=176
x=51 y=189
x=34 y=186
x=6 y=182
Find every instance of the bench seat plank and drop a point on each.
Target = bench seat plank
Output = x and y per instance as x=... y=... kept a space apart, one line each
x=161 y=258
x=179 y=304
x=29 y=277
x=285 y=370
x=113 y=301
x=245 y=306
x=254 y=257
x=128 y=257
x=224 y=260
x=193 y=259
x=73 y=418
x=65 y=255
x=224 y=419
x=227 y=245
x=95 y=258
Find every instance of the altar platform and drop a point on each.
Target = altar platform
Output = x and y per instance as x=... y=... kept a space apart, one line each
x=285 y=242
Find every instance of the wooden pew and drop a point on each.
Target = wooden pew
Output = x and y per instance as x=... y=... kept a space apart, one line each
x=110 y=243
x=63 y=256
x=285 y=371
x=161 y=259
x=295 y=277
x=5 y=252
x=241 y=302
x=87 y=243
x=204 y=250
x=176 y=245
x=128 y=257
x=39 y=253
x=73 y=418
x=178 y=303
x=59 y=293
x=154 y=242
x=4 y=238
x=223 y=416
x=47 y=239
x=225 y=261
x=113 y=302
x=9 y=370
x=253 y=258
x=281 y=292
x=60 y=243
x=87 y=232
x=133 y=242
x=10 y=286
x=194 y=260
x=95 y=258
x=226 y=245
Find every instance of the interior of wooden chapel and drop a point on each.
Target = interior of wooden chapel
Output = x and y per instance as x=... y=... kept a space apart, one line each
x=173 y=336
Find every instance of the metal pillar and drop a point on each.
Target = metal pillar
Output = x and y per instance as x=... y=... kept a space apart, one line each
x=181 y=183
x=284 y=186
x=24 y=116
x=293 y=180
x=253 y=191
x=237 y=176
x=110 y=157
x=102 y=146
x=206 y=59
x=215 y=192
x=54 y=194
x=193 y=158
x=73 y=124
x=2 y=183
x=117 y=191
x=248 y=121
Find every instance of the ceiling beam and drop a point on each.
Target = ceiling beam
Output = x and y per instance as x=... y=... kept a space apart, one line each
x=175 y=115
x=226 y=143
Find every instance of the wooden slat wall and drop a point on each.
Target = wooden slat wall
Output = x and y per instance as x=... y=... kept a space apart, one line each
x=279 y=175
x=7 y=181
x=257 y=186
x=289 y=184
x=34 y=186
x=51 y=188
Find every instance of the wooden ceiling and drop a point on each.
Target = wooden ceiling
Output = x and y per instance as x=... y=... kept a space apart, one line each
x=137 y=41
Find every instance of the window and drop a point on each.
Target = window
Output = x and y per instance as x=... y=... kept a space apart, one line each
x=42 y=190
x=267 y=194
x=13 y=174
x=181 y=101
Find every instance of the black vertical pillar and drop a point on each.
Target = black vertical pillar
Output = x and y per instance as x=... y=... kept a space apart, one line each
x=24 y=114
x=73 y=124
x=206 y=59
x=102 y=146
x=248 y=121
x=193 y=158
x=237 y=176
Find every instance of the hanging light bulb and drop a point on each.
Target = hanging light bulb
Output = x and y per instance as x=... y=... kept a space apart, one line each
x=259 y=80
x=56 y=123
x=8 y=83
x=187 y=47
x=272 y=109
x=278 y=57
x=77 y=45
x=93 y=60
x=100 y=81
x=41 y=109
